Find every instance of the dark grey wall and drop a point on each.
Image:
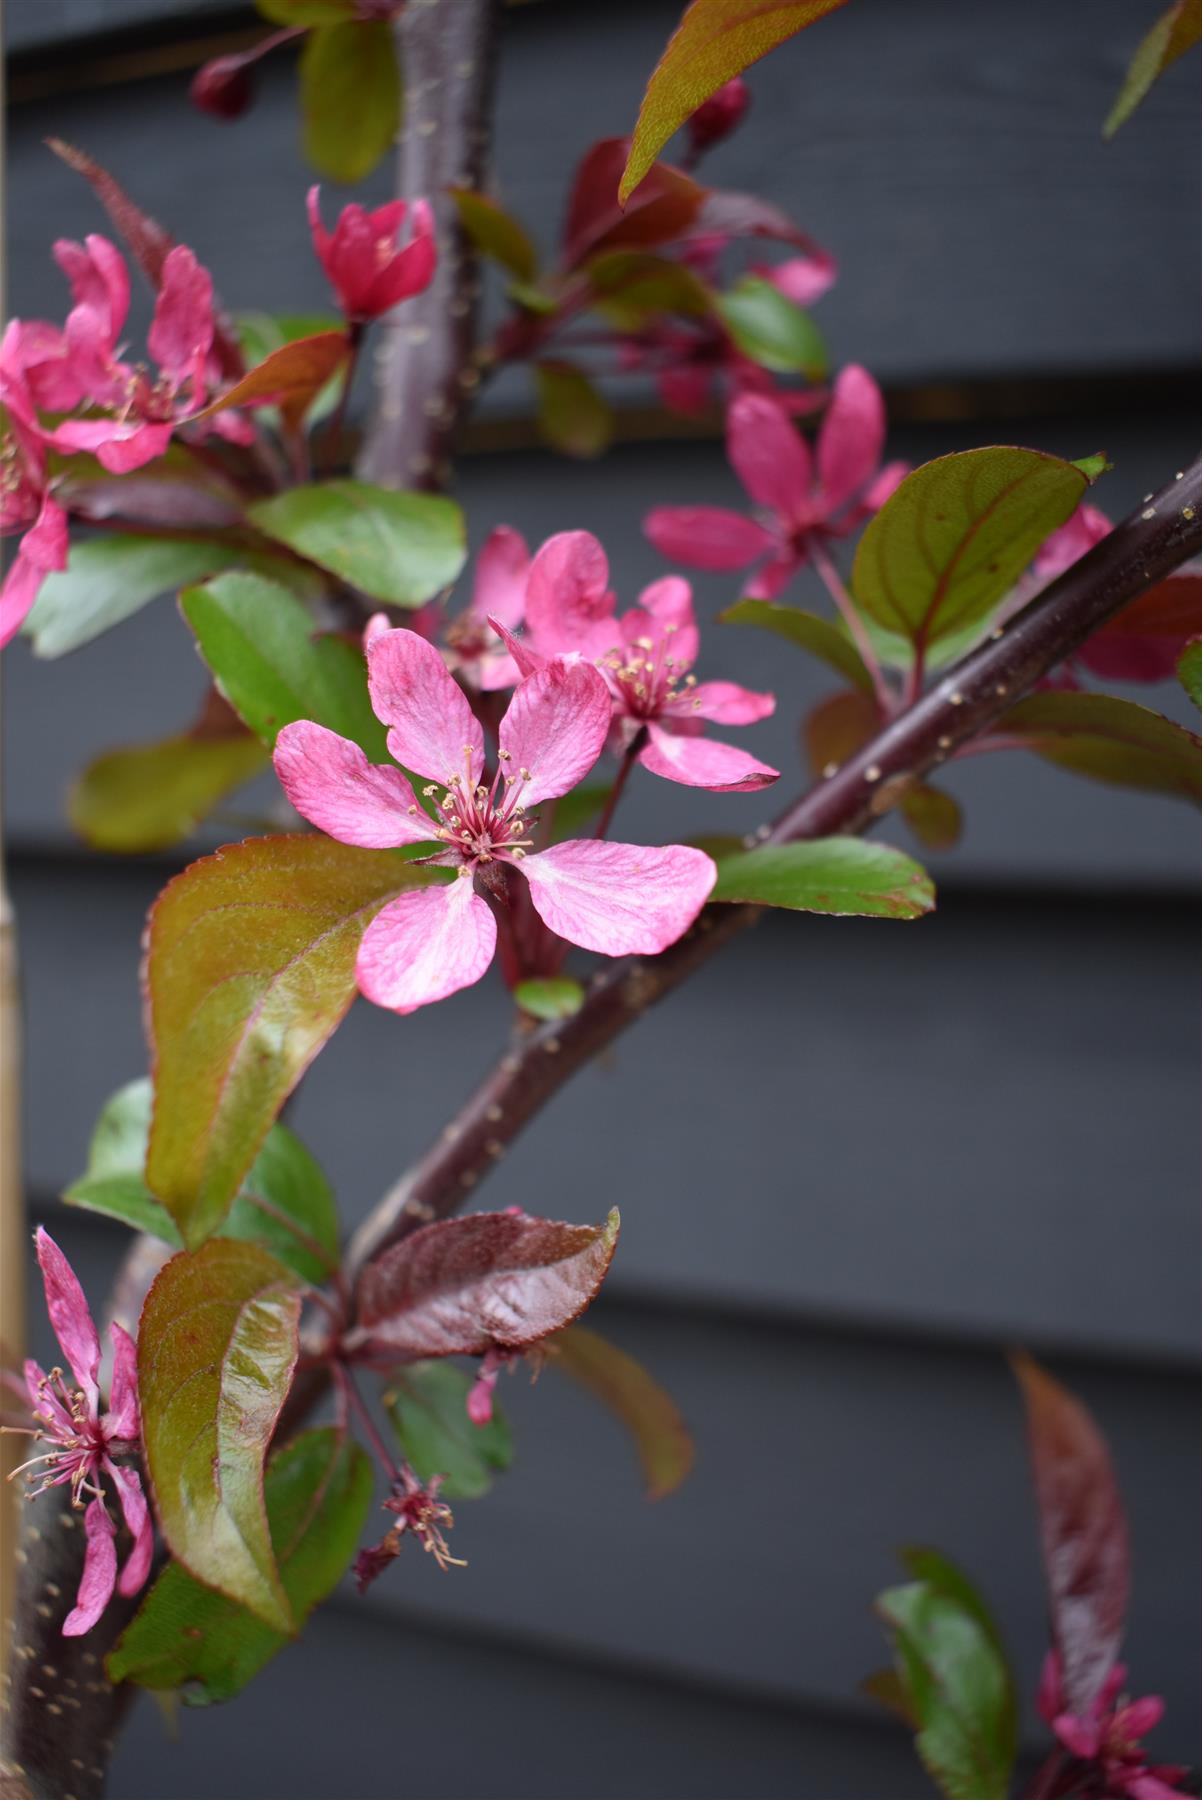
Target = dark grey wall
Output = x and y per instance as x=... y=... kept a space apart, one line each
x=856 y=1161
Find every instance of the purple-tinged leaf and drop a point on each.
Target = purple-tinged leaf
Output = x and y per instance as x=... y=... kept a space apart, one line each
x=725 y=213
x=1083 y=1530
x=250 y=968
x=715 y=40
x=1110 y=740
x=648 y=1411
x=492 y=1281
x=217 y=1344
x=1175 y=31
x=665 y=208
x=148 y=243
x=1141 y=642
x=290 y=377
x=933 y=816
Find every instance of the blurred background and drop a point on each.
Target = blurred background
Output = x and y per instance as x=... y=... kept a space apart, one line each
x=857 y=1161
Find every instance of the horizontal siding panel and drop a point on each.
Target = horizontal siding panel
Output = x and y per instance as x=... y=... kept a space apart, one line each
x=956 y=171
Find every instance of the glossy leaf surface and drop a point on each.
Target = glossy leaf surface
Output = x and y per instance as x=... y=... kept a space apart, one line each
x=250 y=967
x=649 y=1413
x=397 y=547
x=1083 y=1530
x=714 y=40
x=217 y=1344
x=318 y=1493
x=665 y=207
x=956 y=535
x=464 y=1286
x=428 y=1406
x=261 y=647
x=830 y=875
x=771 y=330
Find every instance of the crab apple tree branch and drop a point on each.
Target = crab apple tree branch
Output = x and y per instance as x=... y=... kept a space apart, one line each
x=424 y=370
x=967 y=701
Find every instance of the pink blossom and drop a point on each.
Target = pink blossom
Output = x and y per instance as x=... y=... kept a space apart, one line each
x=419 y=1512
x=428 y=943
x=718 y=116
x=1108 y=1737
x=801 y=279
x=84 y=1440
x=796 y=503
x=646 y=656
x=363 y=258
x=499 y=592
x=26 y=504
x=1144 y=640
x=686 y=361
x=84 y=366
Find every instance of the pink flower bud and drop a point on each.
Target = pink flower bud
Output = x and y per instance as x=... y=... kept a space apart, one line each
x=368 y=267
x=223 y=87
x=718 y=116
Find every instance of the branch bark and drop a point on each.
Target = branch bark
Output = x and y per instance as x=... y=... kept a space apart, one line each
x=425 y=371
x=967 y=701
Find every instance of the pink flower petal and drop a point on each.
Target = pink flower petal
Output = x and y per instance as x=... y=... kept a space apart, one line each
x=1146 y=1786
x=851 y=437
x=410 y=271
x=434 y=730
x=501 y=571
x=769 y=455
x=70 y=1316
x=620 y=899
x=726 y=703
x=99 y=280
x=1082 y=1736
x=122 y=1419
x=527 y=659
x=425 y=945
x=99 y=1571
x=1087 y=527
x=118 y=447
x=706 y=537
x=128 y=1484
x=801 y=279
x=331 y=783
x=492 y=673
x=700 y=762
x=318 y=232
x=181 y=332
x=1140 y=1717
x=568 y=602
x=20 y=590
x=668 y=603
x=685 y=390
x=556 y=728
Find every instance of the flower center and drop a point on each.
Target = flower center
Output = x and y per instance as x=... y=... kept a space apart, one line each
x=484 y=824
x=646 y=679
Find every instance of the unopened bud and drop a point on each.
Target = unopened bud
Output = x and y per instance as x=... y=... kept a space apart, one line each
x=718 y=116
x=223 y=87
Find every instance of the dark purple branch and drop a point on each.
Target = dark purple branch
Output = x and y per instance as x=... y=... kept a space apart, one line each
x=967 y=701
x=425 y=371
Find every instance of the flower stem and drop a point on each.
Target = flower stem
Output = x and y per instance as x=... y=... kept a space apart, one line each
x=371 y=1431
x=849 y=613
x=615 y=793
x=337 y=426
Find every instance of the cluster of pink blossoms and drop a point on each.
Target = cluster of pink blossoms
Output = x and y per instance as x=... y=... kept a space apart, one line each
x=799 y=505
x=613 y=898
x=84 y=1440
x=1108 y=1737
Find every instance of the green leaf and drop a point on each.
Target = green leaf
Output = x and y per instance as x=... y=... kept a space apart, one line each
x=940 y=1573
x=307 y=12
x=146 y=797
x=648 y=1411
x=1110 y=740
x=318 y=1492
x=806 y=629
x=632 y=287
x=550 y=997
x=577 y=809
x=955 y=536
x=573 y=415
x=250 y=967
x=429 y=1409
x=289 y=378
x=957 y=1686
x=771 y=330
x=350 y=90
x=830 y=875
x=496 y=233
x=933 y=816
x=260 y=644
x=217 y=1344
x=534 y=299
x=109 y=579
x=1189 y=670
x=285 y=1204
x=714 y=40
x=1175 y=31
x=398 y=547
